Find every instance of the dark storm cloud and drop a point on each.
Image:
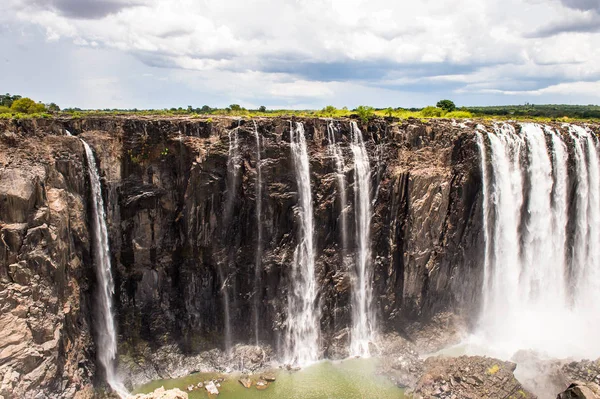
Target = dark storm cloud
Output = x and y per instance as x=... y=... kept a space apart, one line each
x=348 y=70
x=86 y=9
x=583 y=5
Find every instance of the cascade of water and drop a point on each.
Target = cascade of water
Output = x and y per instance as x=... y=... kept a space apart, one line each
x=485 y=176
x=105 y=326
x=233 y=171
x=335 y=151
x=526 y=210
x=302 y=335
x=585 y=268
x=258 y=260
x=363 y=315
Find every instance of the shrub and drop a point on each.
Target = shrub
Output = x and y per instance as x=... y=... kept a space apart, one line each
x=27 y=106
x=329 y=110
x=365 y=112
x=5 y=110
x=459 y=114
x=432 y=112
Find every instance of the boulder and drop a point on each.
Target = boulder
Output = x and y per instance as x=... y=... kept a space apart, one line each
x=262 y=385
x=581 y=390
x=269 y=377
x=245 y=381
x=162 y=393
x=211 y=388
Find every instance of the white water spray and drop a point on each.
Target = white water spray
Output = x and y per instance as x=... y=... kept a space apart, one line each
x=302 y=335
x=363 y=328
x=538 y=293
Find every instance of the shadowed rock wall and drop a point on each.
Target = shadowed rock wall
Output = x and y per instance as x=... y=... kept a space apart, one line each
x=165 y=186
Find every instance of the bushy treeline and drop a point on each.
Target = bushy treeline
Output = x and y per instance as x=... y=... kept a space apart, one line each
x=554 y=111
x=16 y=104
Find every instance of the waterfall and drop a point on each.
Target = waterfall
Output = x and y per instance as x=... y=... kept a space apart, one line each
x=258 y=260
x=363 y=315
x=302 y=335
x=539 y=291
x=233 y=172
x=585 y=270
x=335 y=152
x=106 y=344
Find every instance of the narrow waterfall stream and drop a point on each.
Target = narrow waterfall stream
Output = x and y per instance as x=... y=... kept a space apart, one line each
x=335 y=152
x=541 y=241
x=363 y=314
x=227 y=280
x=302 y=335
x=106 y=340
x=258 y=260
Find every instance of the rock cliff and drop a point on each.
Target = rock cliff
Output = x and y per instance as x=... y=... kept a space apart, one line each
x=183 y=237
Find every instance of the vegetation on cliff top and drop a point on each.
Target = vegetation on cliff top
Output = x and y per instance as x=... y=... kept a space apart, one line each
x=14 y=106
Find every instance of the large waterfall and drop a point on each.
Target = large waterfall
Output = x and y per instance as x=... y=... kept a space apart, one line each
x=106 y=340
x=258 y=259
x=362 y=293
x=541 y=204
x=302 y=335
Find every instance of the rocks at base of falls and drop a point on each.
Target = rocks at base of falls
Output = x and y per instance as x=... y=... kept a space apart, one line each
x=269 y=377
x=245 y=381
x=581 y=390
x=211 y=388
x=162 y=393
x=468 y=377
x=145 y=365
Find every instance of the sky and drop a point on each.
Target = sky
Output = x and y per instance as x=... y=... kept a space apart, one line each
x=302 y=54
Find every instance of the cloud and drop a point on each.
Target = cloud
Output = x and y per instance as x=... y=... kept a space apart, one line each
x=583 y=5
x=312 y=51
x=84 y=9
x=589 y=23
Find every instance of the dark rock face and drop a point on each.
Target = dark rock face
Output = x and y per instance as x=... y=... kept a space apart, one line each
x=182 y=235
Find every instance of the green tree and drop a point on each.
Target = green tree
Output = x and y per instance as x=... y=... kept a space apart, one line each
x=262 y=108
x=329 y=110
x=388 y=112
x=365 y=112
x=52 y=107
x=446 y=105
x=27 y=106
x=235 y=107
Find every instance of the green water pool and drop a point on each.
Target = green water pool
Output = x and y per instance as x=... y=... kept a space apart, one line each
x=349 y=379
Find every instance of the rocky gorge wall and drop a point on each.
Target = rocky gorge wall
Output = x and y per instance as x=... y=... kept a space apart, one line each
x=182 y=236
